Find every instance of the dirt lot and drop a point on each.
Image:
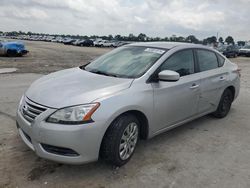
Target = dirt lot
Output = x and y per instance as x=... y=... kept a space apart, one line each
x=45 y=57
x=204 y=153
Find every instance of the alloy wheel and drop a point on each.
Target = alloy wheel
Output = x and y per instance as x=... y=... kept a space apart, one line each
x=128 y=141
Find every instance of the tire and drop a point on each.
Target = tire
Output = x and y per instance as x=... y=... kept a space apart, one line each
x=11 y=53
x=224 y=105
x=120 y=140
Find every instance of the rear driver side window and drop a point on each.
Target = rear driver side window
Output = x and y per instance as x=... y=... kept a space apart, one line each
x=181 y=62
x=207 y=60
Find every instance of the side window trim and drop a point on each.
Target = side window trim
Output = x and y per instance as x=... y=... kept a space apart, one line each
x=218 y=63
x=197 y=59
x=196 y=62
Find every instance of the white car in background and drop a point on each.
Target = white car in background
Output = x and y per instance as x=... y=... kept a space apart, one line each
x=105 y=43
x=96 y=42
x=245 y=51
x=109 y=43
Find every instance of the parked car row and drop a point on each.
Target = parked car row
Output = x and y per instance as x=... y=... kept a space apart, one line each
x=234 y=50
x=229 y=51
x=106 y=43
x=70 y=41
x=79 y=42
x=96 y=43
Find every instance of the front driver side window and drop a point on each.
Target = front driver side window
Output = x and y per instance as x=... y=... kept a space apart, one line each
x=181 y=62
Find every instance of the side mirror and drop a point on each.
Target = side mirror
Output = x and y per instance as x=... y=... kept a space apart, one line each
x=168 y=75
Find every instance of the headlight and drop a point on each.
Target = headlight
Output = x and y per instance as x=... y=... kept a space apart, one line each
x=74 y=115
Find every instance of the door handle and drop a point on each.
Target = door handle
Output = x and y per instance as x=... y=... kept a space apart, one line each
x=194 y=86
x=222 y=78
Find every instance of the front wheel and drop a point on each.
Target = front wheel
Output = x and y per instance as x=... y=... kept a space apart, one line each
x=120 y=140
x=224 y=105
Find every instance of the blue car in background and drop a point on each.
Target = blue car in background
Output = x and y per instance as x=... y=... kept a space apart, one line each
x=12 y=49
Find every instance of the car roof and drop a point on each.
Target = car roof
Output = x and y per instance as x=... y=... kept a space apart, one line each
x=167 y=45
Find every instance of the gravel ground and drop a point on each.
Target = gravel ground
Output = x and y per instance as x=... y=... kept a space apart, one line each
x=46 y=57
x=206 y=152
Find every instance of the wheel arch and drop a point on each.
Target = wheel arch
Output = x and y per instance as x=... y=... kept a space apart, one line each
x=232 y=89
x=142 y=118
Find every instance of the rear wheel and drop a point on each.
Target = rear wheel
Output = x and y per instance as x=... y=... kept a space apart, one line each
x=11 y=53
x=224 y=105
x=120 y=140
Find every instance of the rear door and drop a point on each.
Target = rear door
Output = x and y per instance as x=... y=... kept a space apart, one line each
x=213 y=79
x=176 y=101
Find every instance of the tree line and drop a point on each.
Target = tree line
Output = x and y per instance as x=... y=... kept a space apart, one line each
x=140 y=37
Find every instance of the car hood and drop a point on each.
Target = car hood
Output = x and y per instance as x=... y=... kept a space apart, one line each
x=74 y=86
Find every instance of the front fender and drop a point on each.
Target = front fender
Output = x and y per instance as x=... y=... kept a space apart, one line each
x=126 y=100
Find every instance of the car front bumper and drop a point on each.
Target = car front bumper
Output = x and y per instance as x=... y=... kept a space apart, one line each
x=72 y=144
x=23 y=52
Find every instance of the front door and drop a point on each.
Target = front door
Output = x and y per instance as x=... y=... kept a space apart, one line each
x=176 y=101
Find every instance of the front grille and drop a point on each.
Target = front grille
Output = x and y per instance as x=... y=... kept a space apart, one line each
x=59 y=150
x=31 y=110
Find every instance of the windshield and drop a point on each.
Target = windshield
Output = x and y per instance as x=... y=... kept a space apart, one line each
x=127 y=62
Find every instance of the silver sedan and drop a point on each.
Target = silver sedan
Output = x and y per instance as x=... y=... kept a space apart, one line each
x=134 y=92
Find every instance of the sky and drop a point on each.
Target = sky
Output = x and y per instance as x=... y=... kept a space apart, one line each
x=202 y=18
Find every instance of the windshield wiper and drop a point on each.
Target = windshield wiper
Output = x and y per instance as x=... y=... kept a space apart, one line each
x=83 y=66
x=103 y=73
